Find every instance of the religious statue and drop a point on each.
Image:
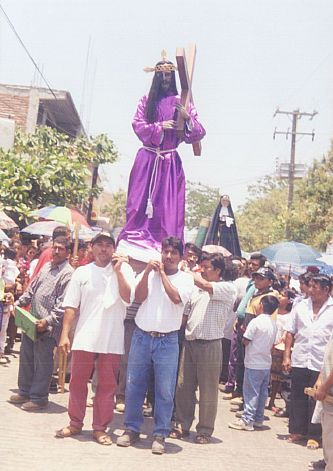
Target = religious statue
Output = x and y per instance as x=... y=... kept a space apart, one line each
x=156 y=191
x=222 y=230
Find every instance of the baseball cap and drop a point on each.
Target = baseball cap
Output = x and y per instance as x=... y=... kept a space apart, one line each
x=102 y=234
x=265 y=273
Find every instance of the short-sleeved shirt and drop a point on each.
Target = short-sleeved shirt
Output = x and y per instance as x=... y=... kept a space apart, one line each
x=157 y=312
x=262 y=333
x=311 y=333
x=95 y=291
x=208 y=313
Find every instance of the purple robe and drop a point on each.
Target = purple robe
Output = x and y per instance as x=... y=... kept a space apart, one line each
x=162 y=177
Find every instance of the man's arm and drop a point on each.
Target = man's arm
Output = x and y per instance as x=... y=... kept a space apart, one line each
x=64 y=342
x=245 y=341
x=124 y=286
x=57 y=312
x=202 y=283
x=26 y=297
x=286 y=364
x=322 y=387
x=170 y=290
x=141 y=291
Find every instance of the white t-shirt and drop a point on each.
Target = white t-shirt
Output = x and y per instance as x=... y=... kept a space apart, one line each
x=94 y=290
x=158 y=313
x=261 y=332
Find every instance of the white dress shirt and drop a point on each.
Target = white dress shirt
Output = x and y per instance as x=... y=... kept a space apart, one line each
x=311 y=333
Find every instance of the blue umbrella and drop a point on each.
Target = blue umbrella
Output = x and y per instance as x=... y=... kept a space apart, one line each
x=291 y=253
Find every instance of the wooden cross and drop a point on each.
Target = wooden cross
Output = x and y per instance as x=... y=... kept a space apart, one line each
x=185 y=64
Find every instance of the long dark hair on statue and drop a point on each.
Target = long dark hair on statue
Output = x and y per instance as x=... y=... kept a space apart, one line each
x=155 y=94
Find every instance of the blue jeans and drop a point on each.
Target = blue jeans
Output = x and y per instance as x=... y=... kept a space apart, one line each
x=255 y=393
x=161 y=355
x=36 y=367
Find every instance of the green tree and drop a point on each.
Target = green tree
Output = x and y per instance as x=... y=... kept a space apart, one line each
x=116 y=209
x=261 y=221
x=49 y=167
x=263 y=218
x=312 y=214
x=201 y=201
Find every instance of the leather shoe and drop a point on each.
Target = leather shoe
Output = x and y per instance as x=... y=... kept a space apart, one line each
x=18 y=399
x=33 y=406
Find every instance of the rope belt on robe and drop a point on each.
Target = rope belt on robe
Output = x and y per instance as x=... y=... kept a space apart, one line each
x=152 y=184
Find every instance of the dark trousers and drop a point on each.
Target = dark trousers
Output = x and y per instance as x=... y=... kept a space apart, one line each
x=36 y=367
x=301 y=405
x=226 y=344
x=240 y=358
x=232 y=362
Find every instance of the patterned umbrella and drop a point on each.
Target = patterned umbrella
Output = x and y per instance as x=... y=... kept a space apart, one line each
x=6 y=222
x=61 y=214
x=46 y=228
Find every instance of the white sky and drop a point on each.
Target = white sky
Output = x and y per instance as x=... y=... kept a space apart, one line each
x=252 y=56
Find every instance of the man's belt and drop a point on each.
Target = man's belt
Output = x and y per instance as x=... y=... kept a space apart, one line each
x=153 y=333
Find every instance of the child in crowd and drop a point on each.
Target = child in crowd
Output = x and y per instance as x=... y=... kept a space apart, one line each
x=278 y=377
x=258 y=339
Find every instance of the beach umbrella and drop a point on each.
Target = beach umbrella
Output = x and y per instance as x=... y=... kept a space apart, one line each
x=216 y=249
x=6 y=222
x=46 y=228
x=291 y=253
x=62 y=214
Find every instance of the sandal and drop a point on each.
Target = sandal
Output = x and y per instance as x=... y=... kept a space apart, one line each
x=281 y=413
x=312 y=444
x=178 y=433
x=102 y=438
x=66 y=432
x=295 y=438
x=202 y=439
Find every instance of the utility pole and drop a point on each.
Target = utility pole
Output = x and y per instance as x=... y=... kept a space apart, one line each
x=296 y=115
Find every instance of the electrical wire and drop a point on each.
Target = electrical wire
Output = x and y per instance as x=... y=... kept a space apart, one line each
x=26 y=50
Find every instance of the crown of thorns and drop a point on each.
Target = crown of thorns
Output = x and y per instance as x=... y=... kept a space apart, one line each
x=166 y=67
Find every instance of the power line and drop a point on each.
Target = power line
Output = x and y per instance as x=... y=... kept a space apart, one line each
x=296 y=115
x=26 y=50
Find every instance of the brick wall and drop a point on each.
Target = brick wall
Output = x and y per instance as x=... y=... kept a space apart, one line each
x=15 y=106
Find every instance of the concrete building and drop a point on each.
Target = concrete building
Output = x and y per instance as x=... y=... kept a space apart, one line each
x=29 y=107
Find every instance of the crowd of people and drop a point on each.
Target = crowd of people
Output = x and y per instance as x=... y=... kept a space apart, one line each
x=156 y=338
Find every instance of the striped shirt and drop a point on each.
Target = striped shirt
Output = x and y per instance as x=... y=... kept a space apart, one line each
x=207 y=314
x=46 y=294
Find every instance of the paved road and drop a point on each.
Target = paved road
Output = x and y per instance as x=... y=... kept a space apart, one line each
x=27 y=442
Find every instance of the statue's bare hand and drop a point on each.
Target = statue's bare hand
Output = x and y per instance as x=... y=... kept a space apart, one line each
x=170 y=124
x=182 y=110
